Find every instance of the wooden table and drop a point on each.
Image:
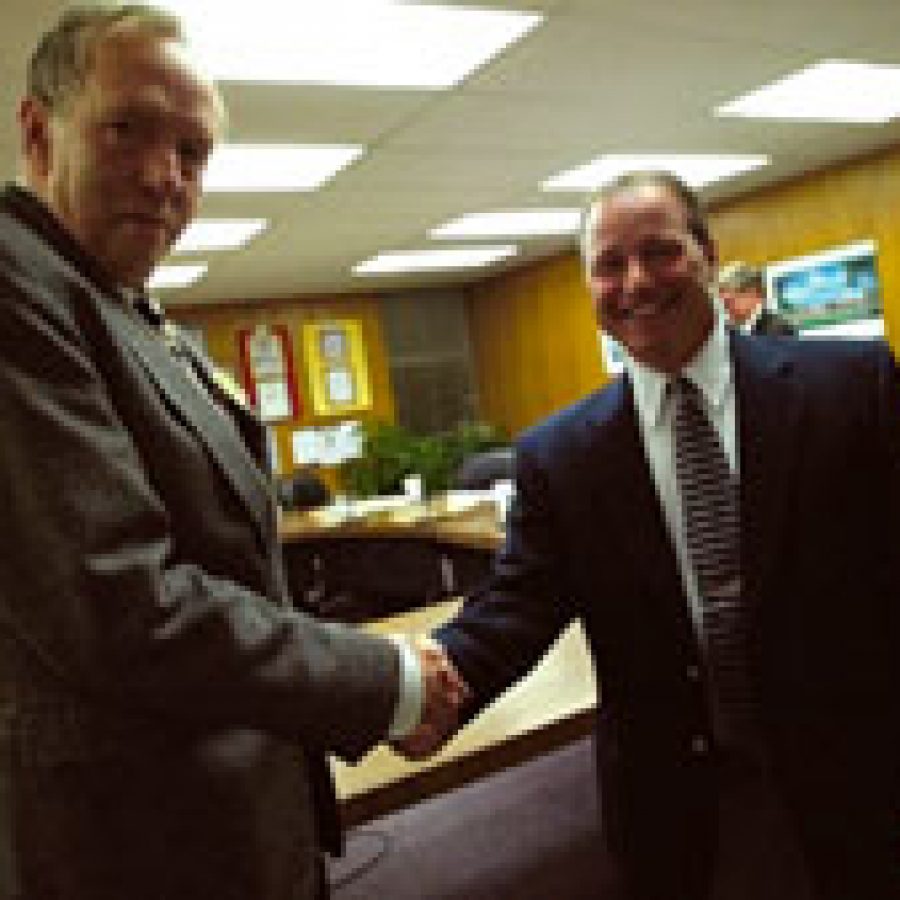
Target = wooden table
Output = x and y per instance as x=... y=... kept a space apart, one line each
x=552 y=705
x=436 y=520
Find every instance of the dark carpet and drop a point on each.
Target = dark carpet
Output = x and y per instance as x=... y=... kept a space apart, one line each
x=527 y=833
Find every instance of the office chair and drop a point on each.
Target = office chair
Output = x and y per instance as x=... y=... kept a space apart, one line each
x=481 y=470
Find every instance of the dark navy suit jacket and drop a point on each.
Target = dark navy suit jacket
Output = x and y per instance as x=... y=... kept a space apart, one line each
x=820 y=506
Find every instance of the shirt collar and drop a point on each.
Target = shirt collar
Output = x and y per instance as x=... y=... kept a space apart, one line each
x=710 y=370
x=749 y=323
x=29 y=209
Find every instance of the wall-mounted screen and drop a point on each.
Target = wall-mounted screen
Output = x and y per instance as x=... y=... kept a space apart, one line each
x=835 y=292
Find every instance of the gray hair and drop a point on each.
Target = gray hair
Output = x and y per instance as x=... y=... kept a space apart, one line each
x=697 y=221
x=63 y=59
x=740 y=277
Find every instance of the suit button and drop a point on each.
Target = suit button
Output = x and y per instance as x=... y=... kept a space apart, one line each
x=692 y=672
x=699 y=745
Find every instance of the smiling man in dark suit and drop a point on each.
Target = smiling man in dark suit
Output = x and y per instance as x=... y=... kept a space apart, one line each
x=724 y=521
x=164 y=710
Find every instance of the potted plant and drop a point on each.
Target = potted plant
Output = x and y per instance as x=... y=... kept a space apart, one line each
x=390 y=452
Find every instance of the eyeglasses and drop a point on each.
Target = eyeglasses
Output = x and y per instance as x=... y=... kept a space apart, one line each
x=657 y=255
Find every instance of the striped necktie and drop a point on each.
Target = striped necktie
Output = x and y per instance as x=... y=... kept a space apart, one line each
x=710 y=511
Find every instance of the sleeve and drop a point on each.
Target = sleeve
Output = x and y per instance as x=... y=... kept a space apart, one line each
x=505 y=628
x=90 y=591
x=410 y=704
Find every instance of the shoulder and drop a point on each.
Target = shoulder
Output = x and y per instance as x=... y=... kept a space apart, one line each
x=581 y=423
x=33 y=275
x=834 y=365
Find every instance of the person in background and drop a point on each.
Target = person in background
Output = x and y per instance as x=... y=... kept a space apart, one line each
x=723 y=520
x=165 y=710
x=743 y=293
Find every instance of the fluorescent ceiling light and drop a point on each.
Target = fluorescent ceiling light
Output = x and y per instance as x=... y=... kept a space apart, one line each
x=434 y=260
x=696 y=169
x=176 y=276
x=829 y=91
x=382 y=43
x=275 y=167
x=218 y=234
x=511 y=223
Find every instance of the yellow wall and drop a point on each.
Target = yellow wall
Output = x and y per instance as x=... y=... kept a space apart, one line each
x=534 y=342
x=221 y=324
x=533 y=332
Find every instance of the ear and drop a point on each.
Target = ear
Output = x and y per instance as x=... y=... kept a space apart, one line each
x=35 y=130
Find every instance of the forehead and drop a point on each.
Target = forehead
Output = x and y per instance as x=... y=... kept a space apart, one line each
x=635 y=211
x=155 y=71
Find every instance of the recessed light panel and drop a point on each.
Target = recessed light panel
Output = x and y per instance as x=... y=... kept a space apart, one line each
x=275 y=167
x=433 y=260
x=829 y=91
x=348 y=42
x=696 y=169
x=511 y=223
x=218 y=234
x=176 y=276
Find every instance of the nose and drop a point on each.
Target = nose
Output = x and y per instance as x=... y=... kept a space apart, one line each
x=635 y=275
x=162 y=170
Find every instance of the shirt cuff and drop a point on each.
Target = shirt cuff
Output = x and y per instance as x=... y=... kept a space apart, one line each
x=411 y=695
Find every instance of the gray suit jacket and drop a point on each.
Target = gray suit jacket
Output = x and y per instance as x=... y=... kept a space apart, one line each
x=163 y=709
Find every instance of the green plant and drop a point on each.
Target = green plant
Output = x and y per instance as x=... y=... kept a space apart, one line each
x=390 y=452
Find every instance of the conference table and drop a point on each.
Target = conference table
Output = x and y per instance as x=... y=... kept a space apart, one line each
x=466 y=519
x=551 y=706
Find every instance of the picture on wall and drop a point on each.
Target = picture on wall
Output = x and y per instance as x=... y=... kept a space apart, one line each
x=336 y=361
x=834 y=292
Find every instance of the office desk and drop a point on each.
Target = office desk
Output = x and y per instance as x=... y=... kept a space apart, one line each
x=551 y=706
x=437 y=520
x=381 y=561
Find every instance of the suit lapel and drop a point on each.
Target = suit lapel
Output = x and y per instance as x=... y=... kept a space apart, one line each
x=624 y=484
x=769 y=406
x=49 y=254
x=247 y=423
x=213 y=427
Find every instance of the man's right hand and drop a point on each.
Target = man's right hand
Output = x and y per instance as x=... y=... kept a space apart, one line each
x=445 y=695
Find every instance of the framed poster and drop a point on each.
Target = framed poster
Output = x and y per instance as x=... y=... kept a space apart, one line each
x=834 y=292
x=336 y=361
x=267 y=368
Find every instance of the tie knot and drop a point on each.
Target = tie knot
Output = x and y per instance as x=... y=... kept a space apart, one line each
x=682 y=385
x=685 y=393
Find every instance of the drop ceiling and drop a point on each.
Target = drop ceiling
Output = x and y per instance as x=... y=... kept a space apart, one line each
x=595 y=77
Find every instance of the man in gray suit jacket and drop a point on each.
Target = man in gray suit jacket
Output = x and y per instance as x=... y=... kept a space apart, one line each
x=164 y=710
x=748 y=728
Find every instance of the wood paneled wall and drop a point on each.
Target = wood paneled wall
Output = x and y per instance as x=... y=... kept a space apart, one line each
x=534 y=342
x=221 y=324
x=533 y=332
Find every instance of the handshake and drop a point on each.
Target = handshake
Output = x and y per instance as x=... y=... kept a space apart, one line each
x=444 y=695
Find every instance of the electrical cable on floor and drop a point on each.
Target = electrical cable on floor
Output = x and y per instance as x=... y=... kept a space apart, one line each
x=383 y=840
